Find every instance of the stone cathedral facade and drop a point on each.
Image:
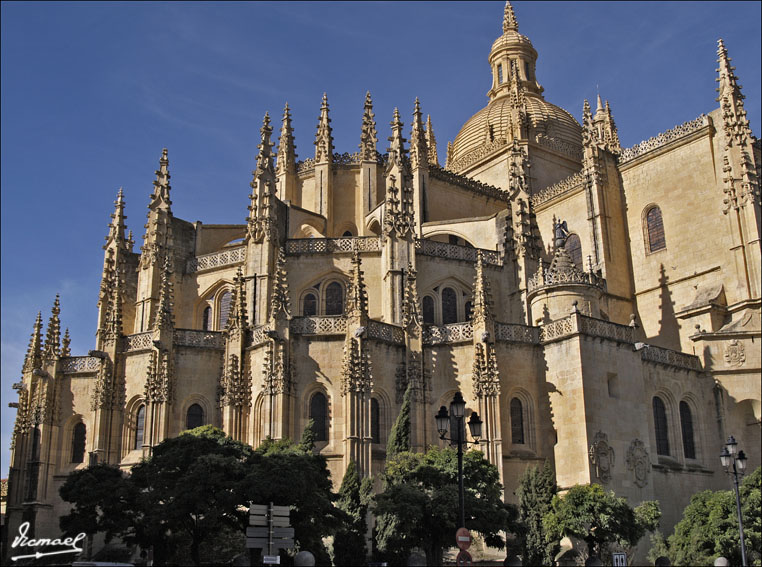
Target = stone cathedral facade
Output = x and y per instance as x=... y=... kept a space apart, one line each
x=597 y=306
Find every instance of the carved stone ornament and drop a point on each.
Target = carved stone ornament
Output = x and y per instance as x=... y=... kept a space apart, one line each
x=638 y=462
x=735 y=354
x=602 y=457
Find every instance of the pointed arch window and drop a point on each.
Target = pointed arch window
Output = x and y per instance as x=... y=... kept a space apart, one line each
x=224 y=309
x=573 y=247
x=660 y=426
x=428 y=309
x=375 y=421
x=309 y=305
x=78 y=443
x=334 y=299
x=449 y=306
x=206 y=323
x=319 y=416
x=655 y=230
x=194 y=417
x=140 y=424
x=517 y=422
x=686 y=424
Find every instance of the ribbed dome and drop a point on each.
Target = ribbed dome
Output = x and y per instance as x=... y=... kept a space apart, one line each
x=554 y=125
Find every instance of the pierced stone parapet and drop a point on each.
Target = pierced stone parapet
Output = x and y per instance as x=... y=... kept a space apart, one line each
x=295 y=246
x=200 y=339
x=386 y=332
x=566 y=148
x=326 y=325
x=219 y=259
x=516 y=333
x=561 y=188
x=605 y=329
x=664 y=138
x=448 y=334
x=558 y=329
x=670 y=358
x=467 y=183
x=477 y=154
x=307 y=166
x=80 y=364
x=544 y=278
x=457 y=252
x=139 y=341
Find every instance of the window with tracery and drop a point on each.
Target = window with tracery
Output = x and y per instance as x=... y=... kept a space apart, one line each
x=140 y=424
x=78 y=443
x=206 y=323
x=309 y=305
x=517 y=422
x=655 y=229
x=224 y=309
x=194 y=417
x=428 y=309
x=449 y=306
x=334 y=299
x=660 y=426
x=375 y=421
x=319 y=416
x=686 y=424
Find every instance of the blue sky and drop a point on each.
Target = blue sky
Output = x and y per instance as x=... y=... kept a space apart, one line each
x=92 y=91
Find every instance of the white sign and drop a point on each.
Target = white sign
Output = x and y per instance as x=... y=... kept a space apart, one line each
x=271 y=559
x=21 y=541
x=620 y=559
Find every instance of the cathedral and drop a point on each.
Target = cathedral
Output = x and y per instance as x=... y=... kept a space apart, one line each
x=554 y=278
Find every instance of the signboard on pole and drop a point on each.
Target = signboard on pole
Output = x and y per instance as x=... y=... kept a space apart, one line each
x=619 y=559
x=463 y=539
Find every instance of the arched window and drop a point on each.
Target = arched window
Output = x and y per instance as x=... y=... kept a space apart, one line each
x=347 y=234
x=449 y=306
x=428 y=309
x=195 y=417
x=78 y=443
x=319 y=416
x=224 y=309
x=655 y=230
x=660 y=427
x=375 y=429
x=499 y=73
x=334 y=299
x=206 y=324
x=309 y=305
x=573 y=247
x=686 y=424
x=140 y=424
x=517 y=422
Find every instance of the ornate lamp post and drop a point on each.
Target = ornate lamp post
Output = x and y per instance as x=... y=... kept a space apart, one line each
x=458 y=409
x=734 y=462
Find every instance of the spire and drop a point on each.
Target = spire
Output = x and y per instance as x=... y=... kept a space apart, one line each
x=411 y=311
x=418 y=152
x=612 y=136
x=368 y=136
x=509 y=19
x=357 y=296
x=482 y=308
x=53 y=334
x=449 y=158
x=237 y=320
x=65 y=350
x=431 y=142
x=265 y=146
x=323 y=139
x=34 y=351
x=160 y=197
x=112 y=328
x=279 y=302
x=164 y=313
x=731 y=99
x=599 y=107
x=588 y=133
x=117 y=226
x=286 y=146
x=397 y=148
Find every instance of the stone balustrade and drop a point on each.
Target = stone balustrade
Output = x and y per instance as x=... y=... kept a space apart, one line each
x=669 y=357
x=664 y=138
x=296 y=246
x=316 y=325
x=218 y=259
x=448 y=334
x=386 y=332
x=139 y=341
x=200 y=339
x=456 y=252
x=80 y=364
x=516 y=333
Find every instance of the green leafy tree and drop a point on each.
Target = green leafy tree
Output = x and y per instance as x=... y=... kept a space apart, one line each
x=659 y=547
x=399 y=437
x=599 y=518
x=349 y=544
x=709 y=527
x=536 y=490
x=419 y=505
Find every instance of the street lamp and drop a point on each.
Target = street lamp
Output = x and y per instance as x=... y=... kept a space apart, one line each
x=734 y=462
x=458 y=410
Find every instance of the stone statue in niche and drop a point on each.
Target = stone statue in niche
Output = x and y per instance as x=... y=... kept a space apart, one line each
x=602 y=457
x=638 y=462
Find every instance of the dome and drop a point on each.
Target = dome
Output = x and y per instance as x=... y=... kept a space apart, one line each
x=553 y=127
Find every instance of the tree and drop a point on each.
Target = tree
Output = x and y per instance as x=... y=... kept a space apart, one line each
x=399 y=437
x=536 y=490
x=354 y=495
x=709 y=527
x=419 y=505
x=599 y=518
